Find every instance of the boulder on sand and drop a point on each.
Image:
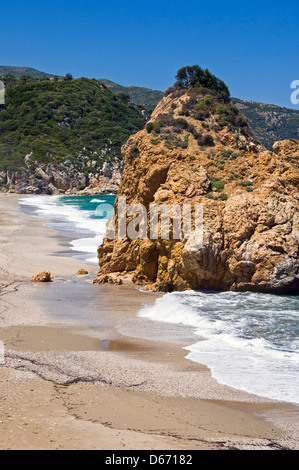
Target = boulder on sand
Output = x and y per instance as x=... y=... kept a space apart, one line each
x=44 y=276
x=81 y=272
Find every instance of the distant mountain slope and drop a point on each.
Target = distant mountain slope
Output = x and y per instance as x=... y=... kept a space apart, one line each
x=22 y=71
x=270 y=123
x=140 y=95
x=62 y=133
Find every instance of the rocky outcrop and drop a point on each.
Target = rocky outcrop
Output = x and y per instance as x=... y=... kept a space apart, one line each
x=68 y=177
x=189 y=154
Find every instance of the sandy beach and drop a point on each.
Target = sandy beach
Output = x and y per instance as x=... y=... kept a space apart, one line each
x=83 y=371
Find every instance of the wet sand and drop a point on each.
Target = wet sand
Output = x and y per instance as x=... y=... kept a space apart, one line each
x=82 y=371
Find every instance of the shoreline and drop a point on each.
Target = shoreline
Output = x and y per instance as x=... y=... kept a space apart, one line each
x=107 y=388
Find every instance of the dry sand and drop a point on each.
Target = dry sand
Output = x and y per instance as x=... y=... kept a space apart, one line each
x=82 y=371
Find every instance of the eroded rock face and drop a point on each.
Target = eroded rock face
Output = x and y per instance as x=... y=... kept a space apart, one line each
x=250 y=204
x=83 y=178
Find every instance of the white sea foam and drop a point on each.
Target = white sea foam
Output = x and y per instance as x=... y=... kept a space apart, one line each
x=69 y=218
x=247 y=340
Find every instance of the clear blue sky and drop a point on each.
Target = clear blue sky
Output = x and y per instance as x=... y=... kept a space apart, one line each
x=253 y=46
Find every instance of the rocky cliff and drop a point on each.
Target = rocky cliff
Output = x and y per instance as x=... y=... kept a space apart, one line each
x=199 y=148
x=71 y=176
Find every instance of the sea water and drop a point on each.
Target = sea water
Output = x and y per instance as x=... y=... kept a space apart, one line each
x=75 y=215
x=249 y=341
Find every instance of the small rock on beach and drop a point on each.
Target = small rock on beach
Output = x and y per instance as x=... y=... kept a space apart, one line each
x=44 y=276
x=81 y=272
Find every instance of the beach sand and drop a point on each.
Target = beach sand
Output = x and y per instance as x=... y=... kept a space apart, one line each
x=83 y=371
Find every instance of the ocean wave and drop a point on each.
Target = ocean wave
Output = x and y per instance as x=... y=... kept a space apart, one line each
x=71 y=218
x=249 y=341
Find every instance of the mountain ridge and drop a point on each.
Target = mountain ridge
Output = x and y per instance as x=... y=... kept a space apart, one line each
x=19 y=71
x=140 y=95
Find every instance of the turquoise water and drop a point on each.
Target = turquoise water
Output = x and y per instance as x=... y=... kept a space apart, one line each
x=250 y=341
x=86 y=203
x=75 y=215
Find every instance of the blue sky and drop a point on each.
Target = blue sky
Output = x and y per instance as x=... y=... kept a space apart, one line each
x=253 y=46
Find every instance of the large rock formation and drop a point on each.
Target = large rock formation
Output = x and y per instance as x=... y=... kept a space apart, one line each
x=198 y=148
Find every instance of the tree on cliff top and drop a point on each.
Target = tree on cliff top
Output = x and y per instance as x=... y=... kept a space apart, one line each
x=195 y=77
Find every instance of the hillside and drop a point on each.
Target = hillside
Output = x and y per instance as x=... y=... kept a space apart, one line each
x=199 y=149
x=66 y=135
x=269 y=122
x=139 y=95
x=22 y=71
x=69 y=127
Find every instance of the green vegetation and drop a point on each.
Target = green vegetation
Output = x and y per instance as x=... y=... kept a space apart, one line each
x=208 y=97
x=246 y=183
x=134 y=152
x=19 y=72
x=167 y=123
x=167 y=128
x=173 y=141
x=205 y=140
x=154 y=126
x=226 y=153
x=270 y=123
x=145 y=97
x=216 y=183
x=195 y=77
x=59 y=119
x=221 y=197
x=230 y=154
x=210 y=196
